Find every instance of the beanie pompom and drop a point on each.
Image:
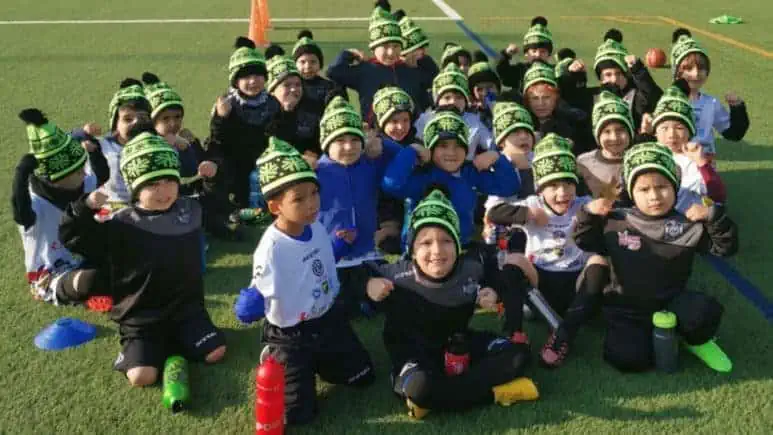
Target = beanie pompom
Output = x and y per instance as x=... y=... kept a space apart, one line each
x=274 y=50
x=336 y=92
x=33 y=116
x=384 y=4
x=436 y=186
x=479 y=56
x=678 y=33
x=611 y=88
x=399 y=15
x=243 y=41
x=539 y=20
x=149 y=78
x=614 y=35
x=449 y=44
x=566 y=53
x=305 y=33
x=125 y=83
x=683 y=86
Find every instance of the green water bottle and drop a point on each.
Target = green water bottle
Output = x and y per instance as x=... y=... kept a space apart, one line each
x=177 y=394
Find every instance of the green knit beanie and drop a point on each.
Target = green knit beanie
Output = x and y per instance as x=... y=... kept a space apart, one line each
x=57 y=153
x=553 y=160
x=339 y=118
x=649 y=156
x=451 y=53
x=282 y=166
x=538 y=35
x=446 y=125
x=683 y=45
x=307 y=45
x=246 y=59
x=564 y=59
x=675 y=105
x=279 y=68
x=130 y=91
x=509 y=117
x=610 y=107
x=414 y=37
x=383 y=28
x=451 y=78
x=435 y=209
x=611 y=53
x=539 y=72
x=481 y=71
x=390 y=100
x=146 y=158
x=160 y=95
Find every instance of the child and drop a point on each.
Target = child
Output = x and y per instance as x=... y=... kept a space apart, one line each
x=650 y=248
x=128 y=107
x=46 y=180
x=446 y=147
x=239 y=120
x=309 y=60
x=196 y=173
x=352 y=70
x=429 y=299
x=613 y=65
x=415 y=45
x=456 y=54
x=152 y=251
x=350 y=184
x=295 y=271
x=613 y=129
x=541 y=97
x=298 y=120
x=393 y=111
x=485 y=86
x=674 y=124
x=548 y=218
x=691 y=62
x=451 y=91
x=537 y=46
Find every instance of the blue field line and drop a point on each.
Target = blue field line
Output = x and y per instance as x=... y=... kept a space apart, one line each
x=743 y=285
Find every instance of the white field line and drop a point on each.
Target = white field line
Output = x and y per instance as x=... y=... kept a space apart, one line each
x=448 y=10
x=203 y=20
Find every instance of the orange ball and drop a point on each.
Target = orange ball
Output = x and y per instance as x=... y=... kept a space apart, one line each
x=656 y=58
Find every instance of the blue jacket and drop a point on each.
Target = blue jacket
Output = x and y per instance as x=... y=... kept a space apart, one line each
x=404 y=181
x=367 y=77
x=349 y=197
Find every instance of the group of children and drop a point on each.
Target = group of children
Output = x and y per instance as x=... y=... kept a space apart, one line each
x=600 y=197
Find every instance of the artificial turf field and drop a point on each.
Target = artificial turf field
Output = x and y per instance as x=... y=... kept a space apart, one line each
x=71 y=70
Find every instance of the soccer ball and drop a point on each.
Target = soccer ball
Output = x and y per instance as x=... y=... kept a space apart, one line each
x=656 y=58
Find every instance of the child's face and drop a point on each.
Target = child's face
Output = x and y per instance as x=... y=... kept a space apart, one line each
x=538 y=54
x=388 y=54
x=614 y=139
x=482 y=89
x=464 y=63
x=158 y=196
x=308 y=65
x=519 y=142
x=72 y=181
x=614 y=76
x=559 y=195
x=346 y=149
x=289 y=92
x=542 y=100
x=453 y=98
x=251 y=85
x=434 y=251
x=127 y=118
x=673 y=134
x=653 y=194
x=298 y=205
x=448 y=155
x=169 y=121
x=694 y=69
x=398 y=126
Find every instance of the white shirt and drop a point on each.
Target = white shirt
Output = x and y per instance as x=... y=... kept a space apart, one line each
x=43 y=251
x=692 y=185
x=297 y=279
x=710 y=115
x=115 y=187
x=479 y=138
x=551 y=247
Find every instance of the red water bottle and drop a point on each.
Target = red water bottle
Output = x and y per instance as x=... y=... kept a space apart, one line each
x=270 y=398
x=457 y=356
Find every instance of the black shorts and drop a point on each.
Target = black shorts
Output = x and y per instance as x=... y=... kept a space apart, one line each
x=559 y=288
x=193 y=338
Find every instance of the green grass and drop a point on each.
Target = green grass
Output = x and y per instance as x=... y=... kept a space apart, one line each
x=70 y=71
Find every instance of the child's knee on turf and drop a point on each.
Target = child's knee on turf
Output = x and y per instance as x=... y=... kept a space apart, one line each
x=142 y=376
x=525 y=265
x=216 y=355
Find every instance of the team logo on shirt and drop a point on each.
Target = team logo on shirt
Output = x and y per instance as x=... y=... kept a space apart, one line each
x=631 y=242
x=325 y=287
x=673 y=229
x=317 y=267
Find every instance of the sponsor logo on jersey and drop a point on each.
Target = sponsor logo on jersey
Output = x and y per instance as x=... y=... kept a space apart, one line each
x=673 y=229
x=631 y=242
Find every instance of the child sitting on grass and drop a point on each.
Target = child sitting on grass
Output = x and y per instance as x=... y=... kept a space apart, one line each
x=429 y=299
x=46 y=181
x=548 y=218
x=309 y=60
x=151 y=251
x=353 y=70
x=294 y=270
x=691 y=62
x=650 y=248
x=446 y=148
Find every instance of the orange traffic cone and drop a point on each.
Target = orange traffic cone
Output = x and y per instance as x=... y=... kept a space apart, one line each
x=264 y=14
x=257 y=29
